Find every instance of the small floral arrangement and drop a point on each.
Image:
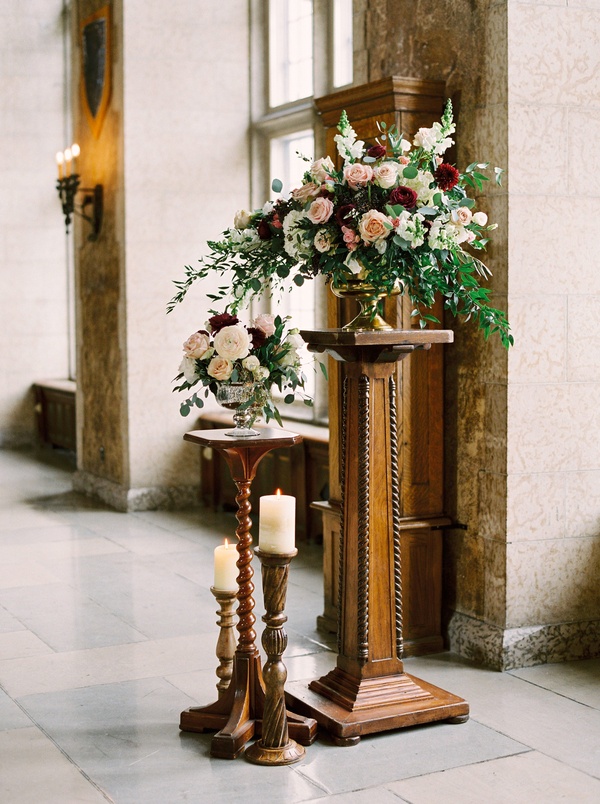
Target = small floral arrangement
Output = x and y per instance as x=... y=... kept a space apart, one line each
x=394 y=215
x=265 y=354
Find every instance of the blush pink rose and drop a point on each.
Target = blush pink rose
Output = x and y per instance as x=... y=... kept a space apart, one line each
x=233 y=342
x=358 y=175
x=322 y=169
x=220 y=368
x=320 y=210
x=351 y=238
x=306 y=192
x=197 y=345
x=266 y=322
x=386 y=174
x=372 y=226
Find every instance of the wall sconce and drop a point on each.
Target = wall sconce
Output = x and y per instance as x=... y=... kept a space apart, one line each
x=68 y=187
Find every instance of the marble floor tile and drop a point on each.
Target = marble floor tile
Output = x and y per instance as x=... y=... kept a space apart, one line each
x=72 y=670
x=35 y=770
x=108 y=631
x=20 y=644
x=65 y=618
x=383 y=758
x=521 y=779
x=578 y=681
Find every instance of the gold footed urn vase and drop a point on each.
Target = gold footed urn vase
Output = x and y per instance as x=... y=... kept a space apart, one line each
x=368 y=297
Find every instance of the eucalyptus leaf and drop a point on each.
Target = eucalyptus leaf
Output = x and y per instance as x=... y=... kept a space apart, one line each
x=277 y=185
x=410 y=172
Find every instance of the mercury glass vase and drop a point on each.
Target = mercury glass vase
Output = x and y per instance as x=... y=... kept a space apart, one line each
x=237 y=397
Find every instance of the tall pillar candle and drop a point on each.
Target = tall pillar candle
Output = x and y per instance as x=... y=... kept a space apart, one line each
x=226 y=570
x=277 y=523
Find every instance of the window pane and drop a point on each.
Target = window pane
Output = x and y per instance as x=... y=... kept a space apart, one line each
x=290 y=50
x=342 y=42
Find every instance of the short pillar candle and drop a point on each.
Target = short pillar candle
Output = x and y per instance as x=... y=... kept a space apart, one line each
x=277 y=523
x=226 y=570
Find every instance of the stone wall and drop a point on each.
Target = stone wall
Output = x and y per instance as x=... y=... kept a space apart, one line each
x=173 y=155
x=521 y=429
x=33 y=247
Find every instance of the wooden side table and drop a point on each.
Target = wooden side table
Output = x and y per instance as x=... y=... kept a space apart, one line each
x=237 y=714
x=368 y=690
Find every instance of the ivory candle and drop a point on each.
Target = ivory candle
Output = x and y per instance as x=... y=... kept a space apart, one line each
x=226 y=571
x=60 y=159
x=277 y=523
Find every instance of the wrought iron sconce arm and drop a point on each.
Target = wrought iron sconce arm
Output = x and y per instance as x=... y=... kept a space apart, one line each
x=68 y=188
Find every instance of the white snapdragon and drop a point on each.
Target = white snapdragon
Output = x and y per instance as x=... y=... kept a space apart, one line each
x=294 y=240
x=410 y=228
x=348 y=146
x=434 y=139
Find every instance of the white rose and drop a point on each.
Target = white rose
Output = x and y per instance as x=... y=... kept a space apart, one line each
x=386 y=174
x=251 y=362
x=266 y=322
x=480 y=218
x=261 y=373
x=232 y=342
x=241 y=219
x=188 y=368
x=322 y=169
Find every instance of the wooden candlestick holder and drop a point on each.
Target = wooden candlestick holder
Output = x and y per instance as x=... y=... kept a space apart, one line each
x=237 y=715
x=226 y=641
x=275 y=746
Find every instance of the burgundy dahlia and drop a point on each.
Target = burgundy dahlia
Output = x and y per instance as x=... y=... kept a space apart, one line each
x=264 y=230
x=343 y=215
x=376 y=151
x=405 y=196
x=446 y=176
x=258 y=336
x=217 y=322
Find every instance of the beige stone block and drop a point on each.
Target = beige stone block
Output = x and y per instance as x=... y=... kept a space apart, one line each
x=582 y=148
x=552 y=581
x=493 y=506
x=539 y=256
x=582 y=503
x=583 y=338
x=541 y=434
x=495 y=427
x=536 y=506
x=537 y=165
x=554 y=54
x=539 y=326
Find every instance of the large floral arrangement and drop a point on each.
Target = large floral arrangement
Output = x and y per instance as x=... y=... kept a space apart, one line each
x=394 y=215
x=265 y=354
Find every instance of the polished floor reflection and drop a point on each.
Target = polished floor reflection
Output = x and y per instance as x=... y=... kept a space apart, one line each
x=107 y=632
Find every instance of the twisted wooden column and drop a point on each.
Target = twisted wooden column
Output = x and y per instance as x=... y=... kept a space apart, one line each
x=237 y=714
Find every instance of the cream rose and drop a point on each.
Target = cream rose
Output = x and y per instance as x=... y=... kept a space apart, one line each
x=322 y=169
x=306 y=192
x=372 y=226
x=251 y=362
x=323 y=240
x=265 y=322
x=386 y=175
x=480 y=218
x=357 y=175
x=462 y=216
x=197 y=345
x=232 y=342
x=220 y=368
x=320 y=210
x=241 y=219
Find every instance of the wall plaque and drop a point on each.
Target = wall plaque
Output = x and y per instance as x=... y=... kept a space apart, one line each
x=95 y=67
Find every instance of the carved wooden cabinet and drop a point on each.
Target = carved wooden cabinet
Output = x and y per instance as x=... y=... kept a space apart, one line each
x=409 y=104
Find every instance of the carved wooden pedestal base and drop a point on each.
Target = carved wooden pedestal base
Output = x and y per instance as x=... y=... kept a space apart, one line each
x=368 y=691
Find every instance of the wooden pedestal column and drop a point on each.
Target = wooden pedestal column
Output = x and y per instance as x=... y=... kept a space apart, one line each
x=368 y=691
